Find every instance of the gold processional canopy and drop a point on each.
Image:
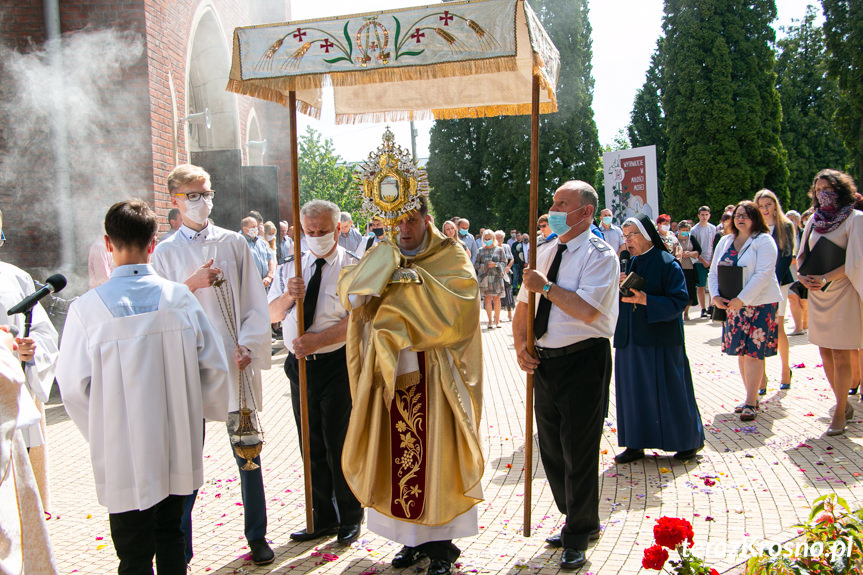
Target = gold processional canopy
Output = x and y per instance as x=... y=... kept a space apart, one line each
x=455 y=60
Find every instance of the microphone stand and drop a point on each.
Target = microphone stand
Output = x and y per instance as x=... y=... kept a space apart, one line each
x=28 y=322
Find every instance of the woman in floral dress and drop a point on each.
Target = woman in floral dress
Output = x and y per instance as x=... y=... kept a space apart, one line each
x=490 y=262
x=750 y=331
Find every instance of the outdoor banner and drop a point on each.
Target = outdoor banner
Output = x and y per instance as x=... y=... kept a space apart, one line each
x=630 y=183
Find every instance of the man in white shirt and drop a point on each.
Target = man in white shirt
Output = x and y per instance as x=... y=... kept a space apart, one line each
x=577 y=277
x=140 y=368
x=703 y=231
x=336 y=509
x=199 y=254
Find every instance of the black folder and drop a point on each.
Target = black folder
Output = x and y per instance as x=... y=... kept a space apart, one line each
x=823 y=258
x=730 y=281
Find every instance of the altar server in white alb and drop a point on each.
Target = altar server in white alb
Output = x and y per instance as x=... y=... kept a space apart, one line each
x=24 y=543
x=39 y=354
x=197 y=255
x=140 y=367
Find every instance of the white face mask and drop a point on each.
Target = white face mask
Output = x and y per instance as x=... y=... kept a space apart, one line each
x=321 y=245
x=270 y=237
x=253 y=233
x=664 y=227
x=199 y=210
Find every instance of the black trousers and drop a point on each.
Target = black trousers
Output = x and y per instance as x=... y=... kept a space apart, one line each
x=440 y=550
x=141 y=534
x=571 y=401
x=329 y=401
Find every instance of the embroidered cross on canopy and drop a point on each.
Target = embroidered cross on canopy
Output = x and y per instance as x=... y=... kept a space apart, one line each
x=455 y=60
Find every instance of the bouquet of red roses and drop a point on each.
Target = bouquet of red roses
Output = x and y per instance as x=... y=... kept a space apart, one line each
x=677 y=534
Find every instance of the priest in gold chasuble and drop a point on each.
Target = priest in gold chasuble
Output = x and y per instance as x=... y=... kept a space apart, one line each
x=412 y=454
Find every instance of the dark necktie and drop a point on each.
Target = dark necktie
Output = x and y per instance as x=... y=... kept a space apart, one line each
x=310 y=302
x=540 y=324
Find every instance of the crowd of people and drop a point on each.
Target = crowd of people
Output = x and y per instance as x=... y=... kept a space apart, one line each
x=177 y=331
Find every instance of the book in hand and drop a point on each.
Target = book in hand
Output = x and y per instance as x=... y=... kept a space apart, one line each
x=730 y=281
x=631 y=282
x=821 y=259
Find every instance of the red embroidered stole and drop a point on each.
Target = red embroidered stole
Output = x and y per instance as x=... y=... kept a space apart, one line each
x=408 y=417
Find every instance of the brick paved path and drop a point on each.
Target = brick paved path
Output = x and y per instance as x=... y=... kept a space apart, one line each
x=765 y=472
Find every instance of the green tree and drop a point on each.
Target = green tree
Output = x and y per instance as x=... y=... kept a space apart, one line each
x=809 y=101
x=323 y=176
x=721 y=105
x=843 y=30
x=647 y=127
x=480 y=168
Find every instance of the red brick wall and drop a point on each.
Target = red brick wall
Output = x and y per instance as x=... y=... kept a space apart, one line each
x=167 y=28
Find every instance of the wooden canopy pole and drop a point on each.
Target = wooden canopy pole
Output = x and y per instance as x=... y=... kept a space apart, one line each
x=298 y=272
x=531 y=300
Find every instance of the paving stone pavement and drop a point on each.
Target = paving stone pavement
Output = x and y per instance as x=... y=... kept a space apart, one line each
x=751 y=484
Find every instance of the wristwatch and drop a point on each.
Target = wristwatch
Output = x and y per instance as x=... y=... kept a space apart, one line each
x=546 y=288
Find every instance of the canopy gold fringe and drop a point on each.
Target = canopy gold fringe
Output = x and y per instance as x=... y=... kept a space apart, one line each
x=430 y=72
x=444 y=114
x=298 y=83
x=268 y=90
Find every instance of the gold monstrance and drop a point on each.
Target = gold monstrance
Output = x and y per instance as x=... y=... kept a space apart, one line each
x=391 y=184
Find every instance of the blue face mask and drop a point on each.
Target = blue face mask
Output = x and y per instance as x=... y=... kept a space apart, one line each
x=684 y=234
x=488 y=242
x=557 y=221
x=607 y=220
x=462 y=232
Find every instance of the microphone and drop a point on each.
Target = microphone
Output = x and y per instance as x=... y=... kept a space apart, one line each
x=624 y=260
x=53 y=284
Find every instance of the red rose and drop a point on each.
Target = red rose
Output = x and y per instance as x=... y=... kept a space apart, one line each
x=714 y=572
x=671 y=532
x=654 y=558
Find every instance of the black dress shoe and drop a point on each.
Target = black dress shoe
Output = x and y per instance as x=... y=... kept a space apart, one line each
x=629 y=455
x=556 y=540
x=349 y=533
x=316 y=534
x=687 y=454
x=572 y=559
x=261 y=552
x=406 y=557
x=439 y=567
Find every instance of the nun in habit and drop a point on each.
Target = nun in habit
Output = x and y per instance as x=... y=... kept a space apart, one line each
x=655 y=400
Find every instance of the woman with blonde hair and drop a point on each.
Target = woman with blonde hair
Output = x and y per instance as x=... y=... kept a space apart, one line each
x=782 y=231
x=270 y=236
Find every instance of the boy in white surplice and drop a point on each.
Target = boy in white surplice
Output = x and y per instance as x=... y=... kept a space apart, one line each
x=140 y=367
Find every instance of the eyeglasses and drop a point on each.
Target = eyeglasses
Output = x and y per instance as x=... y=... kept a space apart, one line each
x=741 y=217
x=195 y=196
x=630 y=236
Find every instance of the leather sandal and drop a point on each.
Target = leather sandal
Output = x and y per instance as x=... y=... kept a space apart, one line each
x=739 y=408
x=748 y=412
